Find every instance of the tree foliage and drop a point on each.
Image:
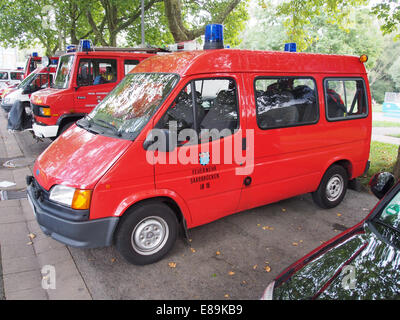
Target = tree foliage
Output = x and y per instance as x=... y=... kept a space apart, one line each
x=53 y=23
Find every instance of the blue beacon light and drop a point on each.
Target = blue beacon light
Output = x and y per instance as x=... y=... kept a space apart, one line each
x=85 y=45
x=214 y=37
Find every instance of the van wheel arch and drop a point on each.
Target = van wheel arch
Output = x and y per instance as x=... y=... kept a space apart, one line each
x=165 y=200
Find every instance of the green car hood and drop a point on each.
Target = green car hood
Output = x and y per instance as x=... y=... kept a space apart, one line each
x=364 y=266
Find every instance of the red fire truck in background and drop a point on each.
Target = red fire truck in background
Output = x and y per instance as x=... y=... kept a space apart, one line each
x=84 y=76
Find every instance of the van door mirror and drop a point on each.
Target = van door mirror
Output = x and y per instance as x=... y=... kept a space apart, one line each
x=381 y=183
x=159 y=139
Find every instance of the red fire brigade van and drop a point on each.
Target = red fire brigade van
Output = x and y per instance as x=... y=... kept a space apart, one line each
x=82 y=80
x=34 y=60
x=284 y=124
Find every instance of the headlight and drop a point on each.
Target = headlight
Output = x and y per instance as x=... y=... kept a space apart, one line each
x=269 y=292
x=44 y=112
x=71 y=197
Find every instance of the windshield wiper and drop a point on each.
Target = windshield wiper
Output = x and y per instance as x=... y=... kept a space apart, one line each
x=386 y=225
x=108 y=125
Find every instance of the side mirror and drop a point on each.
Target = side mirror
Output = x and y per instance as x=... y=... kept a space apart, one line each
x=159 y=139
x=381 y=183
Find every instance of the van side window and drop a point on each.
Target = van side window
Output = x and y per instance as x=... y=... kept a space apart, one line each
x=285 y=102
x=96 y=71
x=215 y=104
x=129 y=65
x=345 y=99
x=4 y=75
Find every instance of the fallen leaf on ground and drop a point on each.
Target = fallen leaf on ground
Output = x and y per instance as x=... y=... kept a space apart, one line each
x=295 y=244
x=30 y=243
x=267 y=268
x=32 y=236
x=113 y=260
x=193 y=250
x=231 y=273
x=218 y=253
x=339 y=214
x=172 y=265
x=255 y=267
x=226 y=296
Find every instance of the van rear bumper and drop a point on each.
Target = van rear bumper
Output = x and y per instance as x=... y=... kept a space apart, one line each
x=81 y=234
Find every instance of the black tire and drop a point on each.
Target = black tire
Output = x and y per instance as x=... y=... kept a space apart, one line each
x=161 y=233
x=332 y=189
x=65 y=127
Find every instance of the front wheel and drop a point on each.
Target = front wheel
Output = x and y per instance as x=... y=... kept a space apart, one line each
x=332 y=188
x=147 y=233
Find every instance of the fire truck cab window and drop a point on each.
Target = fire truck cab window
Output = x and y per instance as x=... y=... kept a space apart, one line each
x=96 y=71
x=345 y=99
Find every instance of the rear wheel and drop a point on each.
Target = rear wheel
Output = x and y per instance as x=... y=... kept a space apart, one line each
x=332 y=188
x=147 y=233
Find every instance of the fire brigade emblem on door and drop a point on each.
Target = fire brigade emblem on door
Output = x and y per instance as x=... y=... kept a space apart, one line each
x=204 y=158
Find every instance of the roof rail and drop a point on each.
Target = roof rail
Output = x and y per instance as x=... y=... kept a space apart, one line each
x=147 y=50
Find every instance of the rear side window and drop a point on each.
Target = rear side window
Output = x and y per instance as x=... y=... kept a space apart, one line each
x=16 y=75
x=345 y=99
x=285 y=102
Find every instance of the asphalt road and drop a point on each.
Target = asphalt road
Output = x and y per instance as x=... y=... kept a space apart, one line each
x=233 y=258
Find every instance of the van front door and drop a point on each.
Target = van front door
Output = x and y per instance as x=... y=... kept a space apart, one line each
x=204 y=118
x=95 y=79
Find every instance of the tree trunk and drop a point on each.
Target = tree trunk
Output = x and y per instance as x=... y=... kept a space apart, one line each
x=176 y=24
x=396 y=169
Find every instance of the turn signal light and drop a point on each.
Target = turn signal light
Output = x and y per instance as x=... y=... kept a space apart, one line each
x=364 y=58
x=81 y=200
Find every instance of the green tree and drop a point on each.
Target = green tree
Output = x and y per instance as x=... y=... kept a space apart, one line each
x=389 y=12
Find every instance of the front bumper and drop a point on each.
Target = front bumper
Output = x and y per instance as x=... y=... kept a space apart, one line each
x=44 y=131
x=66 y=225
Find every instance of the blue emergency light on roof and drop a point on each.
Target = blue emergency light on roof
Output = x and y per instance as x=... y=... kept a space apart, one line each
x=214 y=37
x=35 y=54
x=54 y=61
x=85 y=45
x=290 y=47
x=71 y=48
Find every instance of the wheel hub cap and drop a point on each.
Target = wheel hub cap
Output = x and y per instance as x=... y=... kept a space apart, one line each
x=150 y=235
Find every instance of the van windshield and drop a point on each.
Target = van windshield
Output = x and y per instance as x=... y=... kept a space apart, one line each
x=27 y=80
x=132 y=103
x=64 y=71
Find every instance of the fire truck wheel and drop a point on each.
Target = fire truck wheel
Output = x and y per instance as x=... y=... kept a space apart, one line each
x=146 y=233
x=65 y=127
x=332 y=188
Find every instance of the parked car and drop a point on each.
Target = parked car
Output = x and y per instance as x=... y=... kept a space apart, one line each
x=361 y=263
x=10 y=77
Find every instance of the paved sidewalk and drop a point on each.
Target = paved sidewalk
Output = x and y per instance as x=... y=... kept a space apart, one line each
x=25 y=250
